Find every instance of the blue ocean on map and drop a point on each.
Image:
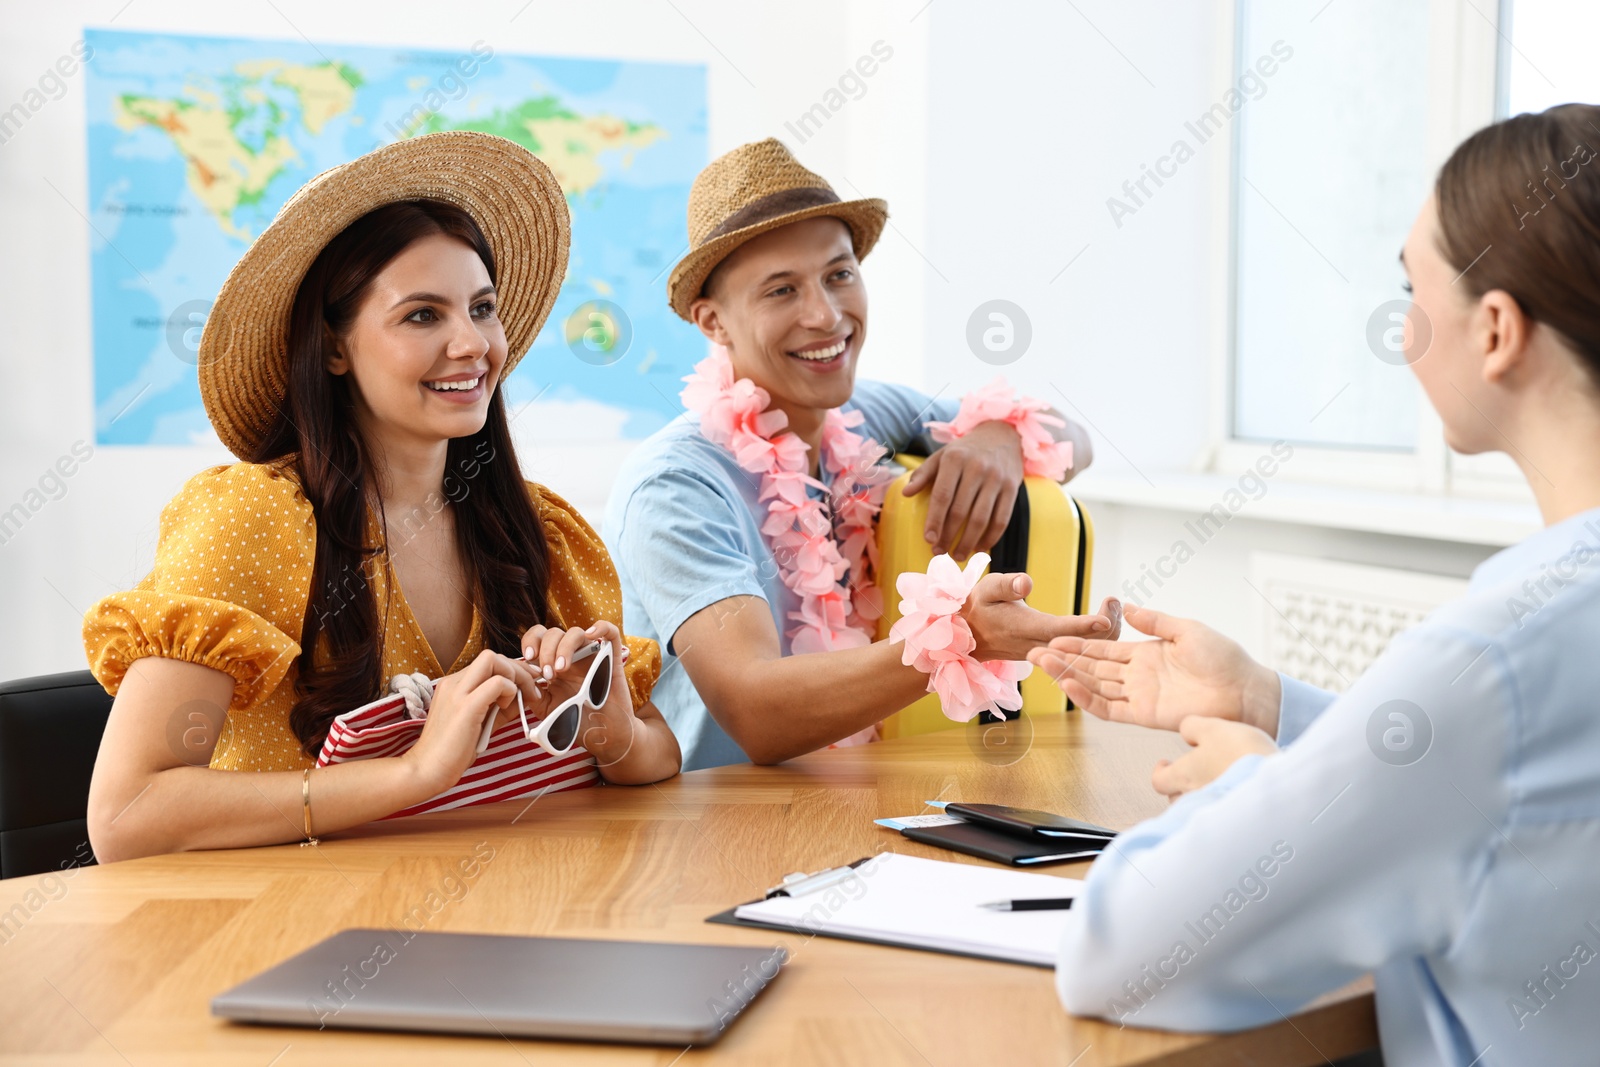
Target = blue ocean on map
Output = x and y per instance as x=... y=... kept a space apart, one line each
x=195 y=142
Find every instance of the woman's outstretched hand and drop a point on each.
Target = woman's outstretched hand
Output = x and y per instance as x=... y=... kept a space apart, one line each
x=1190 y=669
x=1217 y=744
x=1006 y=628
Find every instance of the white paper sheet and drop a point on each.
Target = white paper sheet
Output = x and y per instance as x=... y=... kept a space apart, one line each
x=933 y=904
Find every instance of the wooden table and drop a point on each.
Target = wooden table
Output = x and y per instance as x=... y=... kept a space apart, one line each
x=117 y=964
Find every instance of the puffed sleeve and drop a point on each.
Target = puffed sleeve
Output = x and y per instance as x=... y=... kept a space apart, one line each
x=229 y=587
x=584 y=586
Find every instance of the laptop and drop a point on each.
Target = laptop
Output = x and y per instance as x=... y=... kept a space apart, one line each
x=490 y=984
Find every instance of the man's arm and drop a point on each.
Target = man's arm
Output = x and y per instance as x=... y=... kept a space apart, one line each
x=696 y=579
x=774 y=706
x=682 y=547
x=975 y=480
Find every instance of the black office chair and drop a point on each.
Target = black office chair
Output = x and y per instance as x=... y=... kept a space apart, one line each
x=50 y=730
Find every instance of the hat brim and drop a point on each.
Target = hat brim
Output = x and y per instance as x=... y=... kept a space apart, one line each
x=866 y=219
x=510 y=194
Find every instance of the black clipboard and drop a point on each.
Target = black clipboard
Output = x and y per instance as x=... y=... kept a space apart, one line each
x=728 y=918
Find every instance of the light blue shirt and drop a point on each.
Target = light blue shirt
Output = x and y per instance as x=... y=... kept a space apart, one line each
x=1437 y=825
x=684 y=528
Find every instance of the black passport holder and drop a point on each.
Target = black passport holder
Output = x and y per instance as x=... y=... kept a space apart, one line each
x=1011 y=849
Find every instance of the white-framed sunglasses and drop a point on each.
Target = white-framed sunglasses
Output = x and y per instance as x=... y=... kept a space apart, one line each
x=557 y=732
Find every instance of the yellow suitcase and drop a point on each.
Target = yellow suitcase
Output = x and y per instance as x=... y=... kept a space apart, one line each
x=1050 y=536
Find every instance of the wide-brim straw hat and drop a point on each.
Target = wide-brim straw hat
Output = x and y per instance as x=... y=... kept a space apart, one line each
x=753 y=189
x=510 y=194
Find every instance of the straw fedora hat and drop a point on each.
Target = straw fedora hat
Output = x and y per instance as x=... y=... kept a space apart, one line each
x=755 y=188
x=510 y=194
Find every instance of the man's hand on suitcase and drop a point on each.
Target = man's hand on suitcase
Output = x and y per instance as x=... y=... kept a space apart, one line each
x=975 y=480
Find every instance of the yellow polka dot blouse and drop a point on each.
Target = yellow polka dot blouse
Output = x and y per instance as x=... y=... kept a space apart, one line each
x=230 y=586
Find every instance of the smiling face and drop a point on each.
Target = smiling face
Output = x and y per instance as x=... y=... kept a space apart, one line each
x=426 y=348
x=791 y=308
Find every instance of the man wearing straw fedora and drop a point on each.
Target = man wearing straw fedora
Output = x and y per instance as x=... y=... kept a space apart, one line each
x=744 y=535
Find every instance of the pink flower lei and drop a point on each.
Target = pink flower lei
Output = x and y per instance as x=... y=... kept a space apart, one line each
x=828 y=563
x=1042 y=455
x=939 y=642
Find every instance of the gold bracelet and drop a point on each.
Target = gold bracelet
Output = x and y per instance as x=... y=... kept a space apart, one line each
x=305 y=802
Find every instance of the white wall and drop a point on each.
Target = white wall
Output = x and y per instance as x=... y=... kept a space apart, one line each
x=1034 y=121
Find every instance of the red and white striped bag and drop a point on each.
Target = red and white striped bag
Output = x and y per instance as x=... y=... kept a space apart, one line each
x=511 y=768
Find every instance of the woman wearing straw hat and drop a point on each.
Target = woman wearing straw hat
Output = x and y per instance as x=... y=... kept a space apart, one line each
x=745 y=536
x=378 y=526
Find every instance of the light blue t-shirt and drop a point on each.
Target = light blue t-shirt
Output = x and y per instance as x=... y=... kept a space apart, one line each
x=683 y=526
x=1437 y=825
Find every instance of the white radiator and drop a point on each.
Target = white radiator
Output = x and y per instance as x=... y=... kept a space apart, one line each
x=1324 y=622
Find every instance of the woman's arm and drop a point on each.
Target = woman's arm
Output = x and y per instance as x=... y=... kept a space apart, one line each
x=152 y=791
x=637 y=750
x=631 y=746
x=1291 y=875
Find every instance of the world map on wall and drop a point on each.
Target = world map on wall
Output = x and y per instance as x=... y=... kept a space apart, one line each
x=195 y=142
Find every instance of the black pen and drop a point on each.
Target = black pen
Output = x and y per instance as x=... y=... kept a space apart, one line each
x=1034 y=904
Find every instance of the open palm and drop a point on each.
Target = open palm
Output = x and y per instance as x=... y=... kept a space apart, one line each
x=1190 y=669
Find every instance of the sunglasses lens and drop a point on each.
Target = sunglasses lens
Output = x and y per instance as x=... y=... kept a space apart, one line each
x=600 y=682
x=564 y=728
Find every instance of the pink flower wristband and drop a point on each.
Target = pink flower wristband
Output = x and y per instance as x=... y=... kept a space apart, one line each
x=939 y=642
x=1042 y=454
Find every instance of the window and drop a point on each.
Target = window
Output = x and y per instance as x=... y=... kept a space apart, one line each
x=1547 y=56
x=1330 y=163
x=1330 y=167
x=1541 y=60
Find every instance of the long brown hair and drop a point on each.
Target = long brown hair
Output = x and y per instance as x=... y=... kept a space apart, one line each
x=501 y=541
x=1519 y=211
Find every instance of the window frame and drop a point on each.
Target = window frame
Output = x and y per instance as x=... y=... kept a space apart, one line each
x=1465 y=92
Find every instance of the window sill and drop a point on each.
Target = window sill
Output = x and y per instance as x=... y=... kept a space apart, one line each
x=1464 y=520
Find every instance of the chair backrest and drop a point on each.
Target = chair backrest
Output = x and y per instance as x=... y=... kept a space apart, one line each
x=50 y=729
